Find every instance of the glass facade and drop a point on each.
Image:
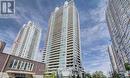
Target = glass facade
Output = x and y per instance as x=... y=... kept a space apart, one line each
x=63 y=42
x=117 y=16
x=21 y=65
x=27 y=41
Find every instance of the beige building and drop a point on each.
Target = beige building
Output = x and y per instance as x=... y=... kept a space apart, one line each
x=113 y=58
x=62 y=52
x=27 y=41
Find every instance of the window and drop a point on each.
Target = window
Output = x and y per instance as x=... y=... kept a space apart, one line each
x=32 y=67
x=25 y=66
x=29 y=66
x=11 y=63
x=19 y=64
x=14 y=64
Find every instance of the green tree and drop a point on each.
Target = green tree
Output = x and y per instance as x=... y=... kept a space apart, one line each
x=88 y=75
x=127 y=66
x=98 y=74
x=115 y=75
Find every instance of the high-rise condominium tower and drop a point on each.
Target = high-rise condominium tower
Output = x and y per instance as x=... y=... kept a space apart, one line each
x=27 y=41
x=113 y=58
x=63 y=42
x=118 y=20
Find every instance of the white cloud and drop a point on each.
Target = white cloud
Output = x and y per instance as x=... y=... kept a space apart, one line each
x=8 y=34
x=8 y=37
x=99 y=29
x=98 y=14
x=95 y=56
x=94 y=33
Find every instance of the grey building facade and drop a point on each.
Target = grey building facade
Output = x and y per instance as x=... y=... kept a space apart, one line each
x=113 y=58
x=118 y=21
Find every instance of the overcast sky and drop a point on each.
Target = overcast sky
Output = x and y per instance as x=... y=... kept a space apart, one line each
x=94 y=32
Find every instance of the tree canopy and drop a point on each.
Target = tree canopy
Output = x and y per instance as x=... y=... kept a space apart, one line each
x=97 y=74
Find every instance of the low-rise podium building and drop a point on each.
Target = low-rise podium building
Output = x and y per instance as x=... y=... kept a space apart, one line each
x=16 y=67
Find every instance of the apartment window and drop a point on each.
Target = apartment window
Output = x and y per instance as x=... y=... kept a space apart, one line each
x=11 y=64
x=25 y=66
x=32 y=67
x=17 y=64
x=21 y=65
x=14 y=64
x=28 y=66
